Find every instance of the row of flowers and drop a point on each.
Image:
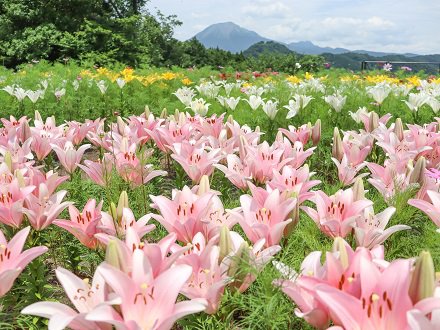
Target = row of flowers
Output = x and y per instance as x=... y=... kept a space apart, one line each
x=138 y=283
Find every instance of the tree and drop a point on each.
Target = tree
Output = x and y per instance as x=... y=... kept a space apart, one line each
x=101 y=31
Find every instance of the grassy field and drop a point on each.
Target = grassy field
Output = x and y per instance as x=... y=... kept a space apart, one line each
x=89 y=93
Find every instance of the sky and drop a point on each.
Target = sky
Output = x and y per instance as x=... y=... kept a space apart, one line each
x=411 y=26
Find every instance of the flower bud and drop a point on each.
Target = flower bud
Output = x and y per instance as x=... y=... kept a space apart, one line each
x=113 y=212
x=181 y=120
x=114 y=256
x=294 y=215
x=164 y=113
x=147 y=111
x=121 y=125
x=279 y=137
x=398 y=129
x=418 y=173
x=25 y=131
x=38 y=116
x=340 y=246
x=337 y=148
x=316 y=132
x=242 y=150
x=239 y=266
x=8 y=160
x=225 y=244
x=122 y=203
x=358 y=190
x=373 y=122
x=422 y=283
x=203 y=185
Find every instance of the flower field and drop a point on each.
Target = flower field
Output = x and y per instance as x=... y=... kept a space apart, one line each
x=198 y=199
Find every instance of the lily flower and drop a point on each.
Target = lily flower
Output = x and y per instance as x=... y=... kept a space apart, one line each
x=13 y=260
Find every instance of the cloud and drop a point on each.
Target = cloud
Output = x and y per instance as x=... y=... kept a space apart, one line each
x=264 y=8
x=378 y=25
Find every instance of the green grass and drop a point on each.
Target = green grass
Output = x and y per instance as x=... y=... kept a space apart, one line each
x=262 y=306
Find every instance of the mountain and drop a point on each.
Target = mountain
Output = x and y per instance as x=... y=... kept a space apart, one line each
x=264 y=47
x=232 y=37
x=228 y=36
x=309 y=48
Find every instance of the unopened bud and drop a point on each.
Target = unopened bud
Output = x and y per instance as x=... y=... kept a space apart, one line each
x=418 y=173
x=25 y=131
x=238 y=268
x=164 y=113
x=373 y=122
x=8 y=160
x=114 y=255
x=122 y=203
x=358 y=190
x=203 y=185
x=121 y=125
x=316 y=132
x=38 y=116
x=398 y=129
x=113 y=212
x=337 y=148
x=422 y=283
x=340 y=246
x=226 y=245
x=147 y=111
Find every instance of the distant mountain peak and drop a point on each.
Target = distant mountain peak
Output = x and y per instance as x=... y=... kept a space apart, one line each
x=231 y=36
x=228 y=36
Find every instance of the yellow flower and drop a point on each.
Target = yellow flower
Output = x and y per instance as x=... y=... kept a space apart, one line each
x=102 y=71
x=436 y=80
x=414 y=80
x=186 y=81
x=308 y=76
x=293 y=79
x=168 y=75
x=246 y=84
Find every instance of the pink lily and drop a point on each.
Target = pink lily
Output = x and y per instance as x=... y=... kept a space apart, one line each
x=207 y=281
x=264 y=215
x=183 y=214
x=83 y=225
x=162 y=255
x=68 y=156
x=262 y=159
x=13 y=260
x=384 y=301
x=296 y=155
x=347 y=172
x=195 y=159
x=146 y=302
x=294 y=180
x=302 y=133
x=100 y=171
x=84 y=296
x=387 y=180
x=431 y=209
x=256 y=256
x=335 y=214
x=127 y=221
x=369 y=229
x=50 y=179
x=42 y=210
x=237 y=172
x=11 y=202
x=341 y=271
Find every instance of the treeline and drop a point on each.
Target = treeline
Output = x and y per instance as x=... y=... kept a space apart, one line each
x=108 y=32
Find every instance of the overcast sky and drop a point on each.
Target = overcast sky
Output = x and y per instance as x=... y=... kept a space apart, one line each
x=377 y=25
